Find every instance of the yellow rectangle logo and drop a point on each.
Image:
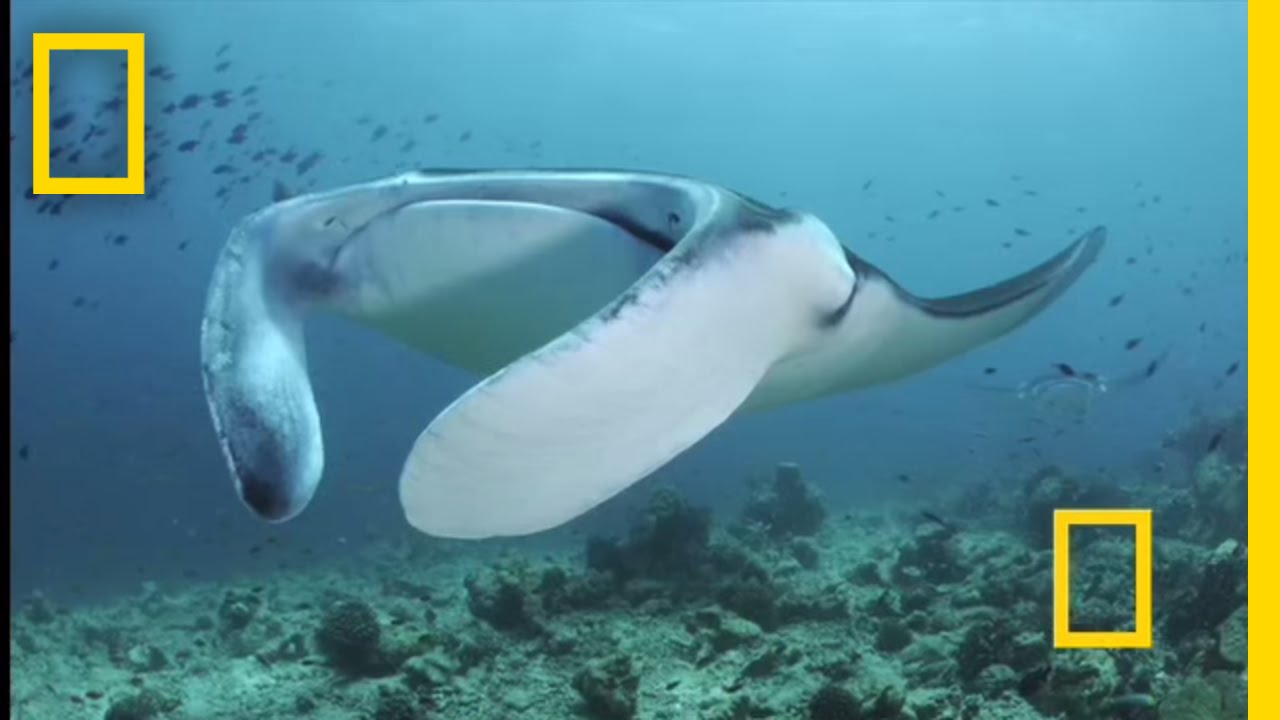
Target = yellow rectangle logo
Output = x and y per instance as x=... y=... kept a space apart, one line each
x=1063 y=636
x=133 y=183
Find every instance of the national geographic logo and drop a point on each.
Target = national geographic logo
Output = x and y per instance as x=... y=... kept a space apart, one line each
x=1063 y=636
x=43 y=44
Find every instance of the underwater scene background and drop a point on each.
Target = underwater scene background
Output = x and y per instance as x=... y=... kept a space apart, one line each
x=883 y=554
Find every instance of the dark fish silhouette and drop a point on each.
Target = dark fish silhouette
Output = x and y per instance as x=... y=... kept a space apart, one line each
x=1214 y=442
x=1132 y=343
x=309 y=162
x=1065 y=369
x=280 y=192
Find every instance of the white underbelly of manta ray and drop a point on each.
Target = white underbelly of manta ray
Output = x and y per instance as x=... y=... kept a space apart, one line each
x=618 y=318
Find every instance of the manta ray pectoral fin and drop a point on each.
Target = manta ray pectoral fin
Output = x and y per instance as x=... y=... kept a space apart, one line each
x=888 y=333
x=919 y=333
x=575 y=422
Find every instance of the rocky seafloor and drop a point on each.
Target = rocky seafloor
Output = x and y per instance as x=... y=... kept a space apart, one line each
x=789 y=610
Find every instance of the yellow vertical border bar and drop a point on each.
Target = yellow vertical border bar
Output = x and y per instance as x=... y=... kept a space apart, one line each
x=40 y=50
x=135 y=104
x=1261 y=394
x=134 y=46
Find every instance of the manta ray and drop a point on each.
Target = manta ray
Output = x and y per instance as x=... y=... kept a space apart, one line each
x=616 y=317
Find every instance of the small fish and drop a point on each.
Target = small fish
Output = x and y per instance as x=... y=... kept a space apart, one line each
x=903 y=478
x=280 y=192
x=1152 y=367
x=309 y=162
x=988 y=371
x=1231 y=370
x=430 y=118
x=223 y=169
x=63 y=120
x=24 y=452
x=1214 y=442
x=190 y=102
x=54 y=263
x=222 y=66
x=1116 y=300
x=120 y=239
x=934 y=214
x=464 y=136
x=1065 y=369
x=867 y=185
x=1132 y=343
x=1021 y=232
x=935 y=519
x=378 y=133
x=222 y=50
x=188 y=145
x=991 y=203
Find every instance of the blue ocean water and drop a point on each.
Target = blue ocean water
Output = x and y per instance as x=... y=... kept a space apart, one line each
x=951 y=143
x=1128 y=115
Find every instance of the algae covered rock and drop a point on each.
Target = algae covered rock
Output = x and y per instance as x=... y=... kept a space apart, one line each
x=1233 y=637
x=499 y=598
x=1194 y=699
x=145 y=705
x=396 y=703
x=671 y=542
x=349 y=637
x=1082 y=683
x=787 y=507
x=1221 y=492
x=608 y=689
x=834 y=702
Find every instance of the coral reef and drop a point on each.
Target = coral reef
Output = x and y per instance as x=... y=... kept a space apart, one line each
x=788 y=506
x=783 y=614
